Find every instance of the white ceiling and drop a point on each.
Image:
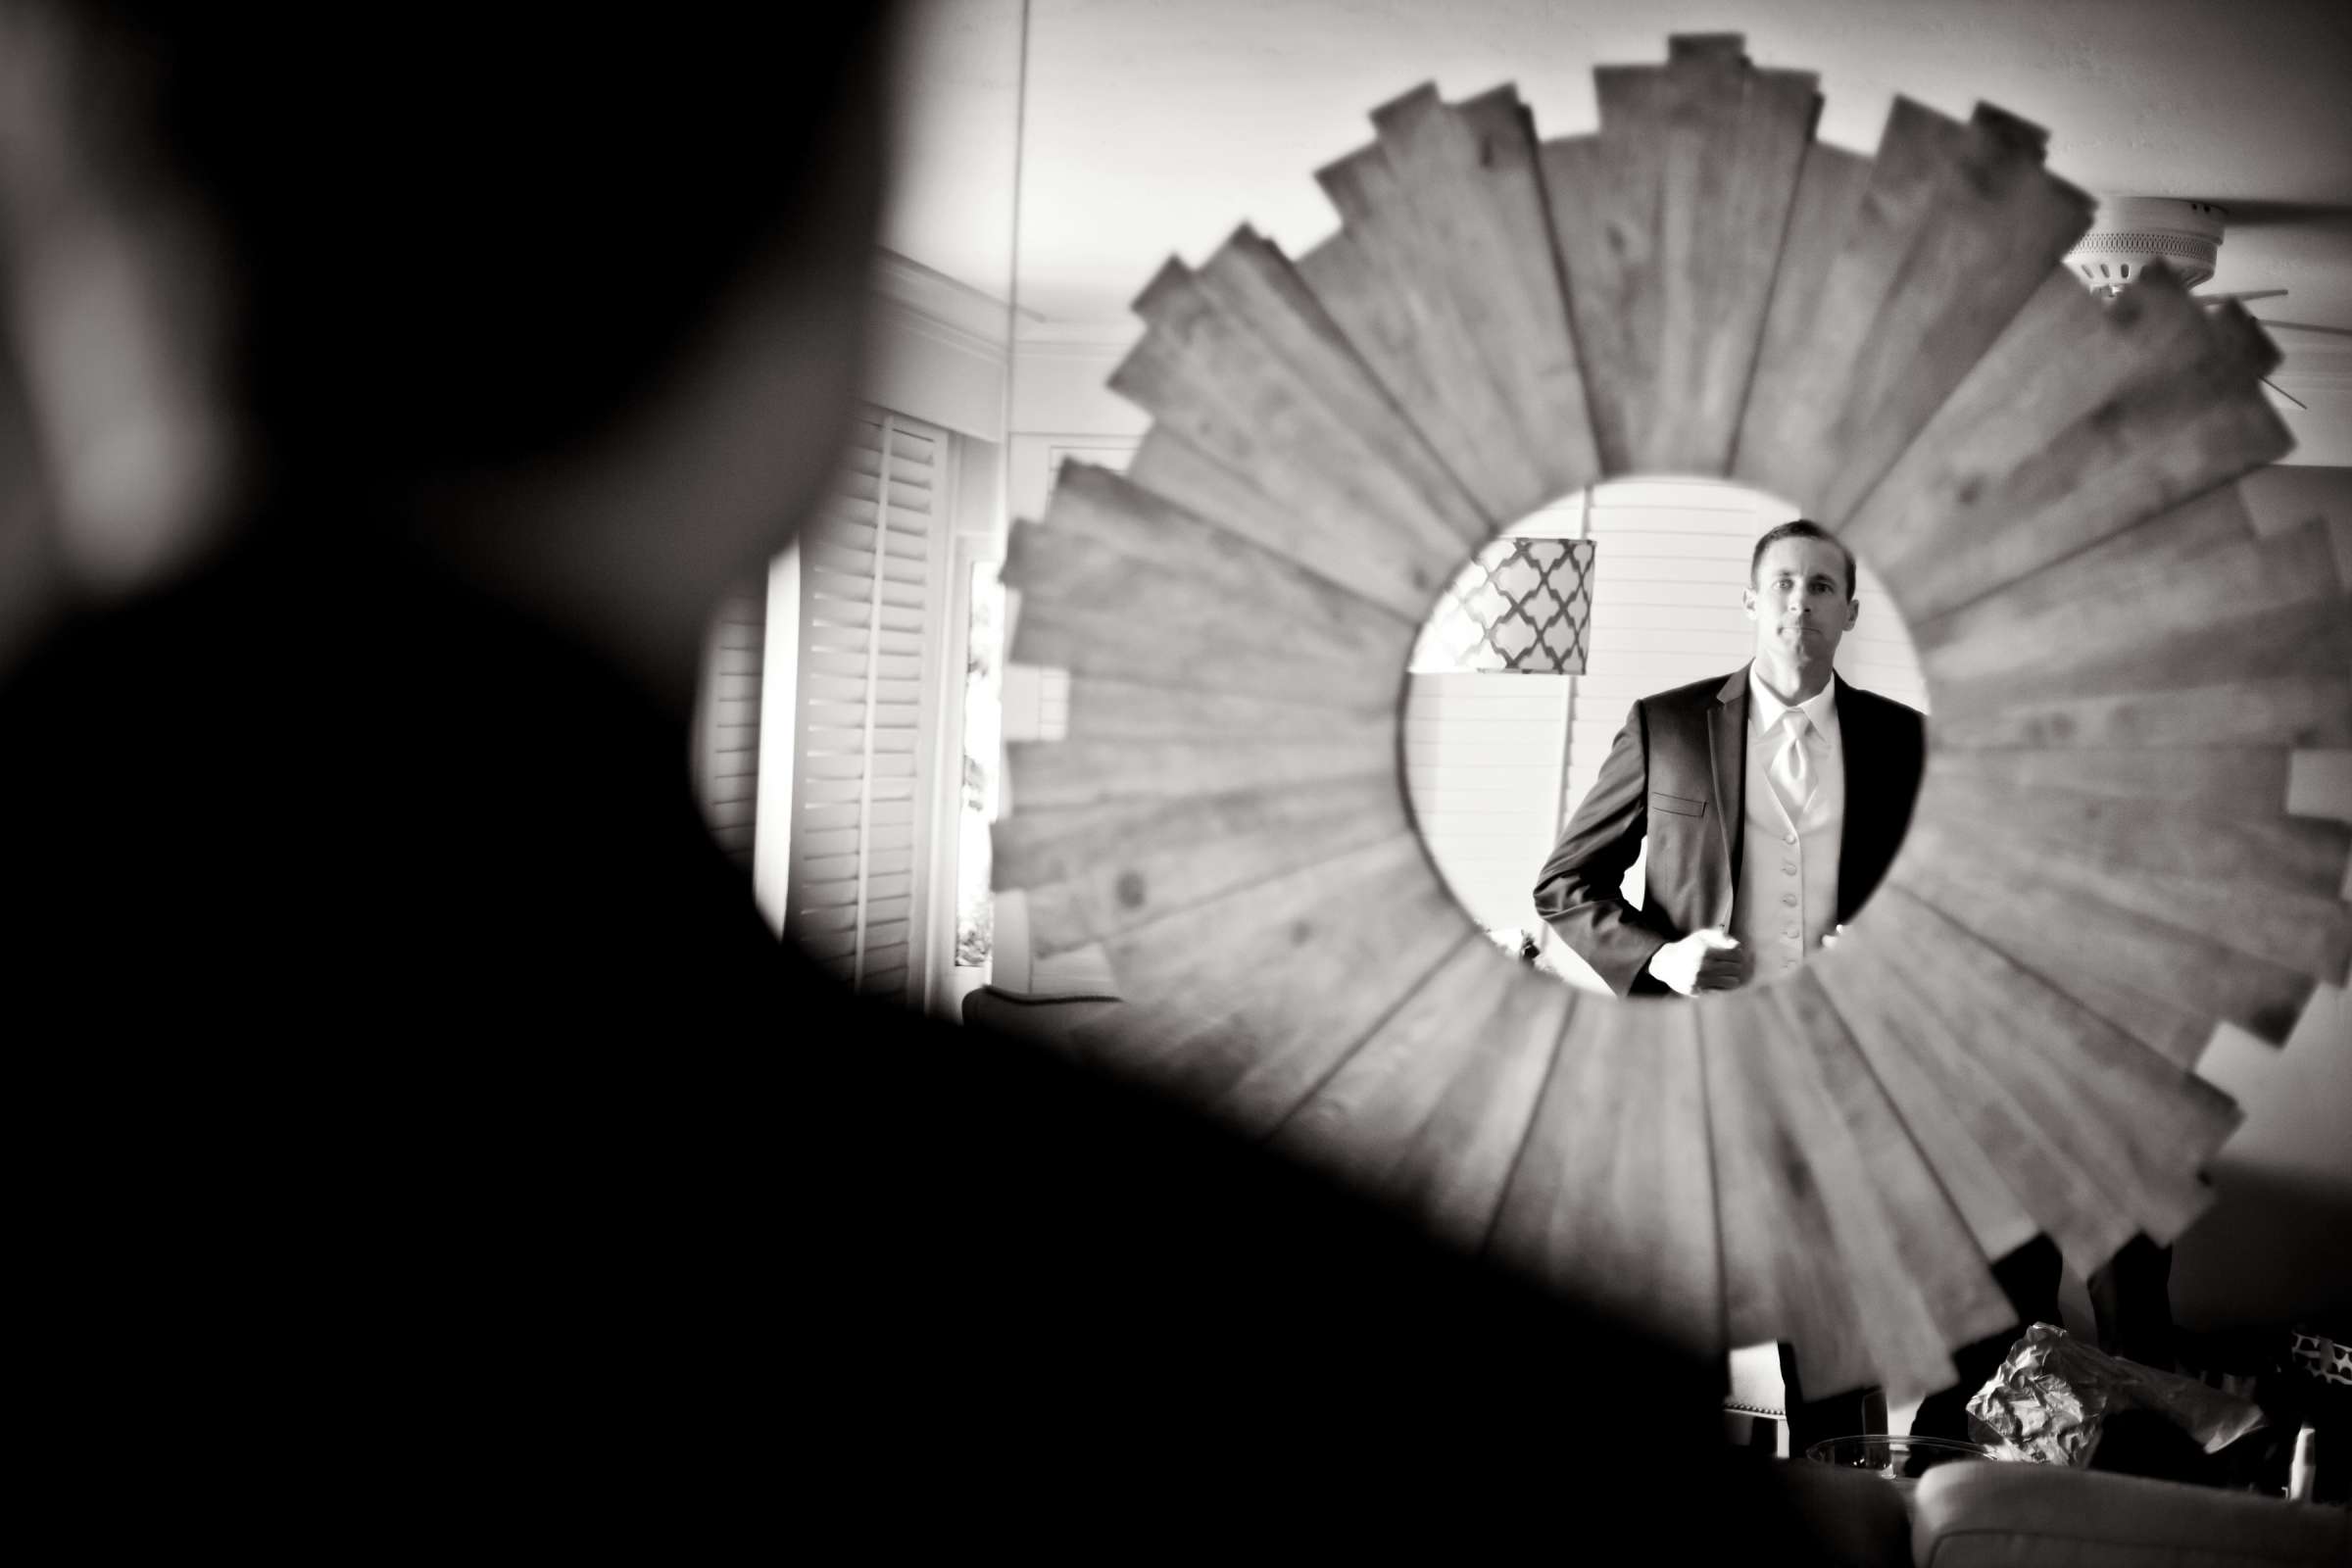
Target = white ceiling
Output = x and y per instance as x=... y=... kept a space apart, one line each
x=1153 y=126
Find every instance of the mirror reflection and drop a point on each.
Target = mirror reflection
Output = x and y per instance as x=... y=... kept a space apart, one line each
x=1663 y=737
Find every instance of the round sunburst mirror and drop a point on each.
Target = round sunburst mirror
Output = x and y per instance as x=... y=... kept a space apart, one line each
x=2100 y=864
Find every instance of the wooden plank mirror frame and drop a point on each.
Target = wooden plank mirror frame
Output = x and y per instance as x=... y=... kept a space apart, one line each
x=2101 y=866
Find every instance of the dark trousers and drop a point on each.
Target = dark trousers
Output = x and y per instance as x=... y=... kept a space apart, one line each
x=2131 y=1298
x=1840 y=1416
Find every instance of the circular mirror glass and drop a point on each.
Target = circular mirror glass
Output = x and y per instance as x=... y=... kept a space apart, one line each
x=1589 y=764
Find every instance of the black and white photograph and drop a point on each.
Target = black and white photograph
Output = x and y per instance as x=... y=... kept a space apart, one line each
x=1101 y=778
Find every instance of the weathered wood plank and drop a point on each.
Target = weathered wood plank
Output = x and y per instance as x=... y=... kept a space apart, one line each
x=1360 y=1120
x=2032 y=1148
x=1829 y=201
x=1611 y=1199
x=2175 y=870
x=1266 y=1087
x=1484 y=236
x=1038 y=845
x=1094 y=871
x=1213 y=380
x=1959 y=226
x=1602 y=197
x=2059 y=932
x=1153 y=635
x=1453 y=1173
x=1997 y=640
x=1248 y=289
x=1997 y=1221
x=1113 y=511
x=1393 y=304
x=2140 y=1125
x=2293 y=710
x=2312 y=638
x=1199 y=608
x=2146 y=556
x=2027 y=385
x=1102 y=709
x=1778 y=1280
x=1433 y=1105
x=1939 y=1259
x=1726 y=200
x=1325 y=542
x=2064 y=436
x=2218 y=845
x=1290 y=972
x=1076 y=772
x=1670 y=224
x=2245 y=780
x=1907 y=1350
x=1420 y=358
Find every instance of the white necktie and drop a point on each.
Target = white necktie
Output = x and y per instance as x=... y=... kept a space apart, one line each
x=1791 y=770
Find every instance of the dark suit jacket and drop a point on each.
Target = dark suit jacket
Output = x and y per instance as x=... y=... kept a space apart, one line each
x=1677 y=774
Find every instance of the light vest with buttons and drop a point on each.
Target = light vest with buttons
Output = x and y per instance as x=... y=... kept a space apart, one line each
x=1787 y=895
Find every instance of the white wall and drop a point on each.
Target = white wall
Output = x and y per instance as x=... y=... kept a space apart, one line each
x=1483 y=754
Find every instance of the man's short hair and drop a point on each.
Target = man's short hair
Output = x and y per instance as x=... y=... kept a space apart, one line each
x=1799 y=529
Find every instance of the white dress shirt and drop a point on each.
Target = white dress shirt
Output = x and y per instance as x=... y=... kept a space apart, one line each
x=1787 y=895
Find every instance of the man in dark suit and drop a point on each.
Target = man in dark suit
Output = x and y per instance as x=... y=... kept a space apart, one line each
x=1769 y=802
x=1691 y=776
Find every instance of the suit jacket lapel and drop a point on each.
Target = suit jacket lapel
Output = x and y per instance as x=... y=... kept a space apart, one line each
x=1727 y=755
x=1857 y=836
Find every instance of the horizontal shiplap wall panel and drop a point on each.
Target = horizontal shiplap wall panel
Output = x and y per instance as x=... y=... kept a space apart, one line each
x=1481 y=766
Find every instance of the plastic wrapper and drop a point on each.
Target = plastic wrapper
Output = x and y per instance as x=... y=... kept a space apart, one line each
x=2053 y=1395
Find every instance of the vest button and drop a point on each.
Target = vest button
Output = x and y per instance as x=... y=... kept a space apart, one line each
x=1789 y=866
x=1787 y=898
x=1788 y=838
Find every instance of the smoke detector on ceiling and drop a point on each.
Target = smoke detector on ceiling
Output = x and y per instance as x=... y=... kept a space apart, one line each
x=2130 y=231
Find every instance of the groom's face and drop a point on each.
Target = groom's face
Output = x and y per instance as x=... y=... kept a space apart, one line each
x=1800 y=602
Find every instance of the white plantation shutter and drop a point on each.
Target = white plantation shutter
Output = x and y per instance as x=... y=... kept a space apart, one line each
x=872 y=579
x=727 y=720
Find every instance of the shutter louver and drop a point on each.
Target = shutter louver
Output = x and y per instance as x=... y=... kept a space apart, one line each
x=728 y=722
x=860 y=784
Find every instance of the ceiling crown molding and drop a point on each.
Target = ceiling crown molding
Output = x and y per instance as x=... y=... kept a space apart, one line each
x=938 y=305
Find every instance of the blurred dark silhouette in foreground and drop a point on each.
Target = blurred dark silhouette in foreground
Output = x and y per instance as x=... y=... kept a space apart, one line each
x=420 y=1135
